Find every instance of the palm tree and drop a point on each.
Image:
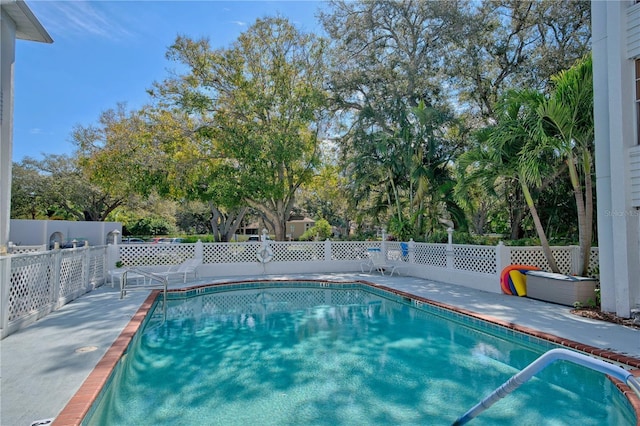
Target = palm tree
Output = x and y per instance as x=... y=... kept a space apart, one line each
x=566 y=125
x=500 y=155
x=402 y=169
x=532 y=135
x=438 y=140
x=483 y=174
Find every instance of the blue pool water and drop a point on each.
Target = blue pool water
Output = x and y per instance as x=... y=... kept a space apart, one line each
x=314 y=355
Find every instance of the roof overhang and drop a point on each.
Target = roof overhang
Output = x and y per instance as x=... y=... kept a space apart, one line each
x=27 y=25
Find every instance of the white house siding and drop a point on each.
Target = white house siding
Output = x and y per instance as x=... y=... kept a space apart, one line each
x=634 y=174
x=16 y=21
x=615 y=139
x=7 y=58
x=633 y=31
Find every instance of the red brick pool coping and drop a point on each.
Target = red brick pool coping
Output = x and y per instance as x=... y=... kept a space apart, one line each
x=80 y=404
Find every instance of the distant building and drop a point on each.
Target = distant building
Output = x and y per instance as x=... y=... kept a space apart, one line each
x=296 y=226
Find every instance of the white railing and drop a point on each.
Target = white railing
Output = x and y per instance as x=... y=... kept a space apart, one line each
x=35 y=284
x=19 y=249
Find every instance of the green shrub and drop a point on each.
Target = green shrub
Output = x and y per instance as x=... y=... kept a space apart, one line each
x=150 y=226
x=195 y=238
x=322 y=230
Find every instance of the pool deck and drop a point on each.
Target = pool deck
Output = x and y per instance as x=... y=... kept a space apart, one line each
x=44 y=365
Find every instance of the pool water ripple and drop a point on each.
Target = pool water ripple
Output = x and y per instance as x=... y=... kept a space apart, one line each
x=291 y=356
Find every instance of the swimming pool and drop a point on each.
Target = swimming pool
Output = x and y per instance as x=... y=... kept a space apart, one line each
x=348 y=353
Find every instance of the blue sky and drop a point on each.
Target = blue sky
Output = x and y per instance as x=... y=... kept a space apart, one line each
x=105 y=52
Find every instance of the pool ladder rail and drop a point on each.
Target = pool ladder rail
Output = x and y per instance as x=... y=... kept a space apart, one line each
x=538 y=365
x=156 y=282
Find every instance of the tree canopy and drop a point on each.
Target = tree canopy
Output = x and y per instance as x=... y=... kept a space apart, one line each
x=259 y=106
x=437 y=111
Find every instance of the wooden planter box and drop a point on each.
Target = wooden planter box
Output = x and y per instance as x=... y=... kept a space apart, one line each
x=561 y=289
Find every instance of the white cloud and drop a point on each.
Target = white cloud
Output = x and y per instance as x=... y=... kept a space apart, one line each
x=239 y=23
x=81 y=18
x=36 y=131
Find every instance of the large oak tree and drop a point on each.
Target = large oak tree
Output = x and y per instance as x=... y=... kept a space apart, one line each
x=259 y=106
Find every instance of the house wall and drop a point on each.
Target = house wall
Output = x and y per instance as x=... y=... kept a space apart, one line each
x=38 y=232
x=614 y=28
x=7 y=58
x=299 y=227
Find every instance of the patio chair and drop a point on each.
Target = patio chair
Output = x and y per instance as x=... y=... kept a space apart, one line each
x=368 y=264
x=381 y=264
x=118 y=274
x=183 y=269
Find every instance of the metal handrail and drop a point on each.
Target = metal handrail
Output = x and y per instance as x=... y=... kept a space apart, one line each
x=538 y=365
x=164 y=282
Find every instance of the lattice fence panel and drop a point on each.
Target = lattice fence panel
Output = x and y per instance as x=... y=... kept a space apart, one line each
x=297 y=251
x=431 y=254
x=155 y=254
x=31 y=284
x=397 y=251
x=475 y=259
x=524 y=256
x=351 y=250
x=71 y=273
x=563 y=259
x=534 y=256
x=26 y=249
x=97 y=258
x=230 y=252
x=594 y=263
x=246 y=252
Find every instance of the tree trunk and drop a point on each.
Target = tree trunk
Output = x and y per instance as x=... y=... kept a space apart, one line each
x=276 y=212
x=516 y=210
x=215 y=219
x=516 y=224
x=225 y=226
x=581 y=212
x=546 y=249
x=584 y=208
x=588 y=197
x=233 y=221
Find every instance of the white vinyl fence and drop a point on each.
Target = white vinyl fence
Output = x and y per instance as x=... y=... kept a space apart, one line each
x=36 y=283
